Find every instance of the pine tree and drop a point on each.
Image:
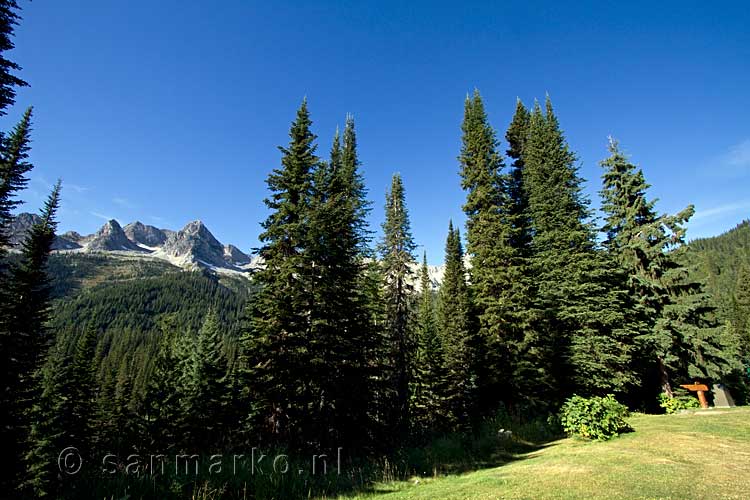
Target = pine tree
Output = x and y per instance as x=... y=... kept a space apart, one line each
x=428 y=387
x=460 y=344
x=397 y=257
x=277 y=357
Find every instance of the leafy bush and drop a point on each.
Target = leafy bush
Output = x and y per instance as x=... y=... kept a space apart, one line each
x=677 y=403
x=598 y=418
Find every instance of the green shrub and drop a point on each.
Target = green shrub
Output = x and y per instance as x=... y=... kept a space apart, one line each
x=677 y=403
x=598 y=418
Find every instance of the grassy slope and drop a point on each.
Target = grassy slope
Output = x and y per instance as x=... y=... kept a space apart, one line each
x=705 y=455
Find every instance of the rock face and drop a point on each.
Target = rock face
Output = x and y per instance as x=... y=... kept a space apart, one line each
x=143 y=234
x=191 y=247
x=21 y=225
x=195 y=243
x=235 y=257
x=73 y=237
x=111 y=237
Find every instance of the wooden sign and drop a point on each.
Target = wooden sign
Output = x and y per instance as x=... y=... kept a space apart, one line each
x=700 y=389
x=695 y=387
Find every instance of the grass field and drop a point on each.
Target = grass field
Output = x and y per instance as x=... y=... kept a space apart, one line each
x=701 y=455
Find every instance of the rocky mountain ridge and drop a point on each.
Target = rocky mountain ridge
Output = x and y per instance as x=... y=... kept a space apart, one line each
x=192 y=247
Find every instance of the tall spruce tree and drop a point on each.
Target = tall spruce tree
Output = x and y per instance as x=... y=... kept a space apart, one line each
x=458 y=337
x=27 y=313
x=499 y=292
x=676 y=335
x=584 y=344
x=14 y=166
x=276 y=349
x=525 y=357
x=397 y=257
x=340 y=323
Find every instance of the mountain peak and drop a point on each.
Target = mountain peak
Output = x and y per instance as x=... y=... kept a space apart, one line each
x=22 y=224
x=143 y=234
x=195 y=243
x=111 y=237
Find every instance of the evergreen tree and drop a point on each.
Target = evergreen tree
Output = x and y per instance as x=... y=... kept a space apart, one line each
x=13 y=169
x=499 y=292
x=83 y=372
x=8 y=81
x=427 y=402
x=27 y=312
x=124 y=413
x=14 y=165
x=670 y=312
x=205 y=388
x=30 y=293
x=276 y=350
x=52 y=416
x=340 y=325
x=516 y=136
x=161 y=413
x=460 y=344
x=584 y=344
x=397 y=257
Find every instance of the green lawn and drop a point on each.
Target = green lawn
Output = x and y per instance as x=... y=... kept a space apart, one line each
x=702 y=455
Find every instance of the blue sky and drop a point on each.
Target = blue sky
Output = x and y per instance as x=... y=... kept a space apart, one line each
x=171 y=111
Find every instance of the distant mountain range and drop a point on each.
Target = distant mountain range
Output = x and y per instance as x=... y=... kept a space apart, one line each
x=192 y=247
x=189 y=248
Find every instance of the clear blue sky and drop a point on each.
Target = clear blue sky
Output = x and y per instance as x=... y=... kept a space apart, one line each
x=171 y=111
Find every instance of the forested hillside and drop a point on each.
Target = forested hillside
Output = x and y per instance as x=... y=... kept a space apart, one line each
x=724 y=262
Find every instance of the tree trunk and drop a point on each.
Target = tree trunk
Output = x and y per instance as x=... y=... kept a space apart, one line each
x=666 y=386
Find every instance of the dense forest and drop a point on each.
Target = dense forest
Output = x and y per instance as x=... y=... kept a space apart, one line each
x=336 y=346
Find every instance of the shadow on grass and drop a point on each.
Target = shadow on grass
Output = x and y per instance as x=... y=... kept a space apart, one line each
x=416 y=463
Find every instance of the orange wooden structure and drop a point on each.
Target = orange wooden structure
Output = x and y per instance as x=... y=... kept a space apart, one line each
x=701 y=389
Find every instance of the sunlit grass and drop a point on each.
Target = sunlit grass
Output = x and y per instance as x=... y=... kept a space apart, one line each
x=700 y=455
